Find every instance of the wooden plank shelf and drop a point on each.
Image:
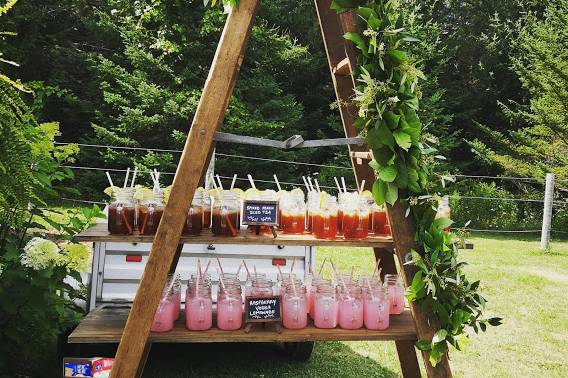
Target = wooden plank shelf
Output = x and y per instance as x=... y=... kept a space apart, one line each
x=99 y=233
x=105 y=324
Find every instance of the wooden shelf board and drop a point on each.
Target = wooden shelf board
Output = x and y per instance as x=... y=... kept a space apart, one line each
x=105 y=325
x=99 y=233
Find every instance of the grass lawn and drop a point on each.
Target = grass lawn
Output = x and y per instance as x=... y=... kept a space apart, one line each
x=523 y=285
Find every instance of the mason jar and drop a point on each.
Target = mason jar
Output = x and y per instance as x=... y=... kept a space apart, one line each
x=121 y=212
x=324 y=221
x=194 y=220
x=356 y=219
x=150 y=213
x=294 y=307
x=325 y=306
x=350 y=306
x=225 y=215
x=198 y=306
x=376 y=308
x=395 y=291
x=229 y=306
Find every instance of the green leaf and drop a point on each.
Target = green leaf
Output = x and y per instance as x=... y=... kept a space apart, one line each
x=402 y=139
x=384 y=134
x=402 y=178
x=442 y=223
x=388 y=174
x=341 y=6
x=383 y=155
x=392 y=119
x=424 y=345
x=373 y=138
x=360 y=123
x=392 y=193
x=358 y=41
x=374 y=22
x=397 y=56
x=439 y=336
x=373 y=164
x=379 y=192
x=366 y=13
x=409 y=38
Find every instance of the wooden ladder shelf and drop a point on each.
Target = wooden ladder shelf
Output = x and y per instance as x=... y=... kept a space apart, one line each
x=133 y=326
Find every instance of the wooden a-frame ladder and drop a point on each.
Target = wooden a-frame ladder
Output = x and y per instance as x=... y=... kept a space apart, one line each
x=134 y=345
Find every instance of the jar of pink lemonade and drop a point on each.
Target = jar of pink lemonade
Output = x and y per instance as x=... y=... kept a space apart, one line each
x=165 y=313
x=198 y=305
x=395 y=292
x=376 y=308
x=325 y=306
x=294 y=307
x=350 y=306
x=229 y=306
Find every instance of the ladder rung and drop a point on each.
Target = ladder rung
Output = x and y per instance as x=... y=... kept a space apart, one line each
x=342 y=68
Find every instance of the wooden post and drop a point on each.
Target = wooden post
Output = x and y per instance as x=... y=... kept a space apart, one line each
x=337 y=50
x=547 y=213
x=403 y=231
x=208 y=117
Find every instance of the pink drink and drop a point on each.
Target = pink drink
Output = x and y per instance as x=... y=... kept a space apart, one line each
x=164 y=317
x=396 y=299
x=350 y=313
x=229 y=314
x=295 y=313
x=177 y=304
x=376 y=313
x=325 y=312
x=198 y=313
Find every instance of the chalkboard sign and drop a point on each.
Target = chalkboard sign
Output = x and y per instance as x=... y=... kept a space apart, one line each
x=263 y=309
x=260 y=213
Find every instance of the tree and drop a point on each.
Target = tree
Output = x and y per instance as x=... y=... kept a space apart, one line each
x=538 y=142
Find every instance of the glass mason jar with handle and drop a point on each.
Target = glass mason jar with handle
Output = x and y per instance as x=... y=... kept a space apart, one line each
x=121 y=212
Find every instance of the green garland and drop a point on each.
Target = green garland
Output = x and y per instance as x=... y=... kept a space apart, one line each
x=387 y=96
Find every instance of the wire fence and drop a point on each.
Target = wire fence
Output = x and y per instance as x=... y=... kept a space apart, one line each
x=557 y=203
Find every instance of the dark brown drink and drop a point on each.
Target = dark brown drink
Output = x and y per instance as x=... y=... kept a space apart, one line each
x=224 y=223
x=149 y=219
x=120 y=220
x=193 y=223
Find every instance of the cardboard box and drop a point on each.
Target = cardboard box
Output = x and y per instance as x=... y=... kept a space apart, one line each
x=96 y=367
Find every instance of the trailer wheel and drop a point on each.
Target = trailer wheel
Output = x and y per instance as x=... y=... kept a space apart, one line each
x=299 y=351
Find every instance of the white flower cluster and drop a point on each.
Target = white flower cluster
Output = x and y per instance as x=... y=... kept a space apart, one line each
x=1 y=268
x=40 y=253
x=78 y=257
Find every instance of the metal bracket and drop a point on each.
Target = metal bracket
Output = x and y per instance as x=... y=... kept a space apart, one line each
x=295 y=141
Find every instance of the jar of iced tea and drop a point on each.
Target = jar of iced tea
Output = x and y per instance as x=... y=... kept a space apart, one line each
x=194 y=220
x=395 y=291
x=311 y=206
x=225 y=215
x=150 y=213
x=294 y=307
x=376 y=308
x=121 y=212
x=325 y=220
x=380 y=220
x=356 y=219
x=198 y=305
x=229 y=306
x=293 y=214
x=350 y=306
x=325 y=306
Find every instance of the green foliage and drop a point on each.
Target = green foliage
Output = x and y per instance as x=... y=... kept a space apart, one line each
x=539 y=142
x=37 y=305
x=388 y=96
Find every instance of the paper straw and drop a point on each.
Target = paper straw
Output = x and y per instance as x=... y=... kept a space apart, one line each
x=317 y=185
x=220 y=267
x=343 y=182
x=246 y=268
x=199 y=267
x=212 y=179
x=207 y=267
x=251 y=181
x=322 y=265
x=293 y=263
x=280 y=272
x=239 y=270
x=134 y=177
x=376 y=267
x=221 y=280
x=338 y=275
x=157 y=175
x=126 y=178
x=337 y=184
x=306 y=183
x=220 y=183
x=362 y=186
x=255 y=276
x=277 y=182
x=110 y=181
x=370 y=289
x=311 y=184
x=293 y=284
x=233 y=182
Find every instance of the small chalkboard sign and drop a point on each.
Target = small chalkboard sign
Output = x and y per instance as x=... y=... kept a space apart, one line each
x=263 y=309
x=260 y=213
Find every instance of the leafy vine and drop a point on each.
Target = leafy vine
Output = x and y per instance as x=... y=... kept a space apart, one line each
x=387 y=95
